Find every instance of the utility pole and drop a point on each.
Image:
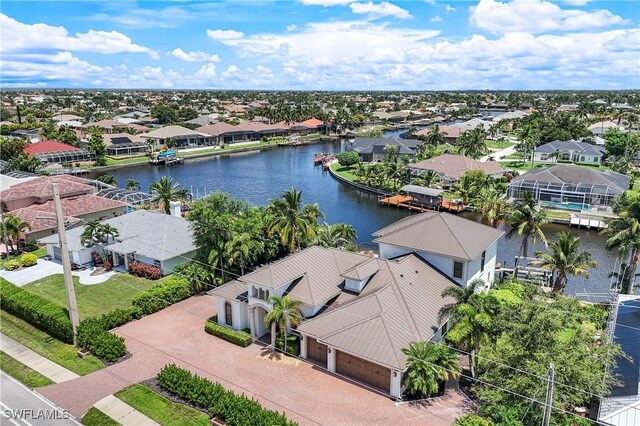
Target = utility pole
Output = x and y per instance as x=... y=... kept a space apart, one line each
x=548 y=403
x=66 y=262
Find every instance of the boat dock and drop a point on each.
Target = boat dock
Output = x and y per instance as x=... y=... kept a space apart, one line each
x=587 y=222
x=410 y=203
x=167 y=158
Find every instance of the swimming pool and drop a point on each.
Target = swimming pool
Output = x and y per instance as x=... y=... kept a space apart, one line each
x=566 y=206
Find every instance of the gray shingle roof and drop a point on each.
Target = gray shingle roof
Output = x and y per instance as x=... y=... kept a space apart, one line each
x=572 y=145
x=568 y=174
x=440 y=233
x=377 y=145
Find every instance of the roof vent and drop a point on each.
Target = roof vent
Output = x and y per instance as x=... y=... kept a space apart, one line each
x=416 y=272
x=401 y=275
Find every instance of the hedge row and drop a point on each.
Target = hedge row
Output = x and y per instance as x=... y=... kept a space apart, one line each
x=172 y=290
x=37 y=311
x=240 y=338
x=235 y=410
x=93 y=333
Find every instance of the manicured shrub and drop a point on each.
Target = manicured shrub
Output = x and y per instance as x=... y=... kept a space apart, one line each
x=172 y=290
x=293 y=344
x=37 y=311
x=28 y=259
x=119 y=317
x=145 y=271
x=240 y=338
x=348 y=158
x=235 y=410
x=12 y=265
x=104 y=345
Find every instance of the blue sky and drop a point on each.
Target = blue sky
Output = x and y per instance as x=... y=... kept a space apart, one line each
x=322 y=44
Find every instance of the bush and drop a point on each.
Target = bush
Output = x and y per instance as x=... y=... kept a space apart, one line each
x=240 y=338
x=235 y=410
x=293 y=344
x=93 y=336
x=12 y=265
x=145 y=271
x=36 y=310
x=172 y=290
x=472 y=420
x=28 y=259
x=348 y=158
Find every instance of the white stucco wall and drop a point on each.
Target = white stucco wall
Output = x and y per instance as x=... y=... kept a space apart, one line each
x=170 y=264
x=238 y=313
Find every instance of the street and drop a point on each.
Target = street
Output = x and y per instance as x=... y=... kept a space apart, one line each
x=21 y=406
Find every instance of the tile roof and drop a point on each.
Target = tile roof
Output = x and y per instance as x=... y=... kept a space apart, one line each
x=44 y=147
x=440 y=233
x=454 y=166
x=39 y=220
x=41 y=187
x=172 y=132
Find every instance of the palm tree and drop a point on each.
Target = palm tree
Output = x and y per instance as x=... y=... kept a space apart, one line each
x=622 y=279
x=133 y=185
x=529 y=137
x=428 y=178
x=526 y=220
x=465 y=188
x=11 y=227
x=623 y=235
x=96 y=232
x=165 y=190
x=472 y=143
x=565 y=258
x=435 y=136
x=242 y=250
x=492 y=205
x=108 y=179
x=285 y=313
x=460 y=294
x=428 y=364
x=295 y=224
x=337 y=235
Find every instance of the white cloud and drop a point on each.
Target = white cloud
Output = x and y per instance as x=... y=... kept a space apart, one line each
x=449 y=8
x=431 y=2
x=537 y=16
x=19 y=37
x=291 y=27
x=325 y=3
x=224 y=35
x=193 y=56
x=207 y=71
x=577 y=2
x=380 y=9
x=436 y=19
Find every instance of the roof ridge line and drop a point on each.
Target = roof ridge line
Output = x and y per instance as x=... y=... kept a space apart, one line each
x=455 y=237
x=404 y=301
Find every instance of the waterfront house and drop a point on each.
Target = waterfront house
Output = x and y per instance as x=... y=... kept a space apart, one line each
x=450 y=133
x=450 y=167
x=152 y=238
x=224 y=133
x=125 y=144
x=54 y=152
x=574 y=151
x=178 y=137
x=115 y=126
x=375 y=149
x=361 y=311
x=570 y=187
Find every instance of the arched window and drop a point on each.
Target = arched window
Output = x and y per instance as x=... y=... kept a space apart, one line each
x=261 y=294
x=228 y=316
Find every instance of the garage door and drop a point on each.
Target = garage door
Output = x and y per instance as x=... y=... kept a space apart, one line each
x=363 y=371
x=57 y=253
x=317 y=351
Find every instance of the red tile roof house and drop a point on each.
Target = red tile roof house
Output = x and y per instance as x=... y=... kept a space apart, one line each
x=306 y=127
x=54 y=152
x=32 y=201
x=359 y=311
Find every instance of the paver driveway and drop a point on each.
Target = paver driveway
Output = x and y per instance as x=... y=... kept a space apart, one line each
x=306 y=393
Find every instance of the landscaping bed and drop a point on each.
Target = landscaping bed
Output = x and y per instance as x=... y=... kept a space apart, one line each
x=22 y=373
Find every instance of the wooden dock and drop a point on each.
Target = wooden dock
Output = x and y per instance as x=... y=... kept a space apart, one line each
x=166 y=161
x=411 y=204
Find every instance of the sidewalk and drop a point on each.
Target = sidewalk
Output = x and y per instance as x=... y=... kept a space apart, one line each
x=110 y=405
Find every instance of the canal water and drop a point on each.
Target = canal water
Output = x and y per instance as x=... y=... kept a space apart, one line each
x=262 y=176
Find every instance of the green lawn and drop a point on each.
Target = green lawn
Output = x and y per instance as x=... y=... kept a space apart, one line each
x=345 y=172
x=95 y=417
x=160 y=409
x=50 y=348
x=42 y=251
x=113 y=161
x=496 y=145
x=22 y=373
x=93 y=300
x=557 y=214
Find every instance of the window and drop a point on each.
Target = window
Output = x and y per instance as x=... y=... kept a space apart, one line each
x=483 y=260
x=228 y=316
x=595 y=159
x=543 y=157
x=457 y=270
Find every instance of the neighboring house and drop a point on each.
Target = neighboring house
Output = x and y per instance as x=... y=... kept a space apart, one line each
x=31 y=135
x=245 y=132
x=153 y=238
x=450 y=133
x=450 y=167
x=622 y=407
x=124 y=144
x=568 y=186
x=361 y=311
x=601 y=127
x=375 y=149
x=67 y=117
x=462 y=249
x=54 y=152
x=114 y=126
x=574 y=151
x=37 y=191
x=178 y=137
x=511 y=115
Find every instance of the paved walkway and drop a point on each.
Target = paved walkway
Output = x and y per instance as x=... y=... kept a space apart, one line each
x=46 y=268
x=123 y=413
x=306 y=393
x=35 y=361
x=110 y=405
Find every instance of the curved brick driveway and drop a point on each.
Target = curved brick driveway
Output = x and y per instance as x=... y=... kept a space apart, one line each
x=306 y=393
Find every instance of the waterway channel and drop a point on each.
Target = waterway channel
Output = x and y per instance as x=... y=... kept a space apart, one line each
x=262 y=176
